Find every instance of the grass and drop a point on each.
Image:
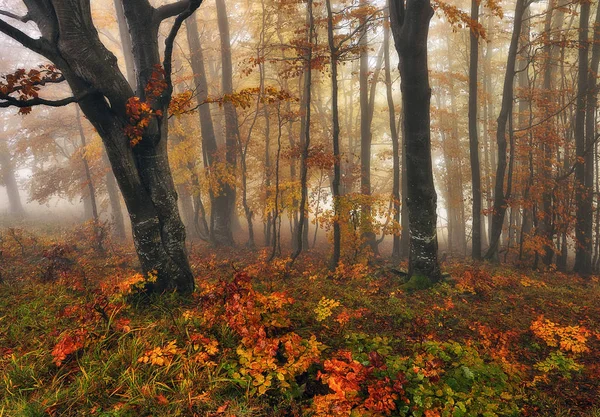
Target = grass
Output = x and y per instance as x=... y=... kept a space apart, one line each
x=485 y=310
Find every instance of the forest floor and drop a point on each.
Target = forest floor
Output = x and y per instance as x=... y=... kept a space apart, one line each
x=263 y=339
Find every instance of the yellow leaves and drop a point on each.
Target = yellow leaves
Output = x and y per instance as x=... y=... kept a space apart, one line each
x=528 y=282
x=568 y=339
x=161 y=356
x=458 y=18
x=323 y=309
x=180 y=103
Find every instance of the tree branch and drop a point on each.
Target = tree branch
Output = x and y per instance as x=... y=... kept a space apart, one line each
x=23 y=19
x=192 y=5
x=170 y=10
x=36 y=45
x=8 y=101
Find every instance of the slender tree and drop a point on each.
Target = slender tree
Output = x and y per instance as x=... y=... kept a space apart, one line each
x=583 y=229
x=473 y=140
x=501 y=195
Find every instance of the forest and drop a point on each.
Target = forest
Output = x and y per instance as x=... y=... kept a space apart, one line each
x=299 y=208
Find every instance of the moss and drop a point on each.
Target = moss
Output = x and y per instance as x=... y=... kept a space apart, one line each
x=418 y=282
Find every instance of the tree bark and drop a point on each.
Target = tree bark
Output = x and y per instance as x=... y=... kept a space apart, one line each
x=70 y=40
x=232 y=133
x=500 y=196
x=583 y=193
x=396 y=253
x=335 y=186
x=220 y=225
x=473 y=140
x=300 y=230
x=410 y=27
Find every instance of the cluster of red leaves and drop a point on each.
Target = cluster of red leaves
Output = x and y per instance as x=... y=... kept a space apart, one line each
x=26 y=83
x=267 y=353
x=99 y=311
x=356 y=388
x=69 y=343
x=140 y=112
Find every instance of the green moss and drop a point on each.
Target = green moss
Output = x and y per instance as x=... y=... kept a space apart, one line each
x=417 y=282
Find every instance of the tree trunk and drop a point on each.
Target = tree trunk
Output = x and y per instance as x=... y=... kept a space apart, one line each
x=590 y=137
x=10 y=182
x=393 y=133
x=71 y=42
x=220 y=224
x=90 y=186
x=300 y=230
x=231 y=125
x=583 y=192
x=500 y=197
x=365 y=138
x=335 y=186
x=473 y=140
x=410 y=27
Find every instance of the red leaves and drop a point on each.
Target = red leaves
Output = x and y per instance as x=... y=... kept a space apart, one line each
x=356 y=387
x=26 y=84
x=140 y=112
x=69 y=343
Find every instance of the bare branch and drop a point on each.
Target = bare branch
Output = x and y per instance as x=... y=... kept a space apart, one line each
x=23 y=19
x=36 y=45
x=192 y=5
x=8 y=101
x=170 y=10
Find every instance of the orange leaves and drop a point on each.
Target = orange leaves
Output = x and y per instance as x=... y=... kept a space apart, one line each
x=69 y=343
x=161 y=356
x=459 y=18
x=264 y=361
x=244 y=98
x=156 y=84
x=356 y=388
x=26 y=84
x=180 y=103
x=140 y=112
x=568 y=338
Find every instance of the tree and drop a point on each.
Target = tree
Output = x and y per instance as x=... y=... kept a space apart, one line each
x=583 y=181
x=134 y=129
x=396 y=252
x=410 y=27
x=8 y=179
x=473 y=141
x=224 y=218
x=501 y=195
x=220 y=224
x=305 y=143
x=335 y=185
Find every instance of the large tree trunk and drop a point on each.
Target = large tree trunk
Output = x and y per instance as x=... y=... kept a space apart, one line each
x=500 y=196
x=410 y=27
x=142 y=171
x=583 y=190
x=473 y=140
